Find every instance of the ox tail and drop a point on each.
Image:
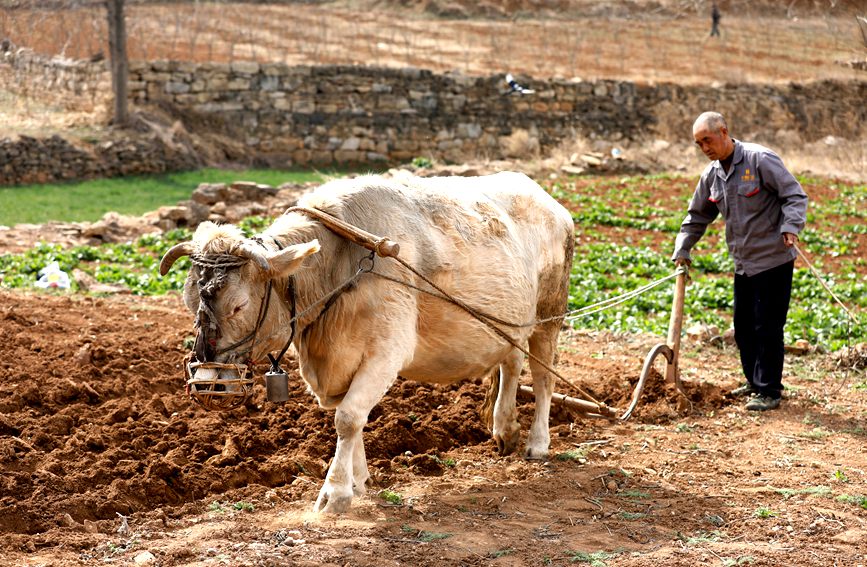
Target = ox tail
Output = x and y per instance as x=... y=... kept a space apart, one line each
x=487 y=411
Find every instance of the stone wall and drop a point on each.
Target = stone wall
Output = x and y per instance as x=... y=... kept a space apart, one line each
x=33 y=160
x=71 y=84
x=338 y=114
x=363 y=114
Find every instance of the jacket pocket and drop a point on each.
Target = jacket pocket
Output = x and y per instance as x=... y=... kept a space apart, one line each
x=748 y=190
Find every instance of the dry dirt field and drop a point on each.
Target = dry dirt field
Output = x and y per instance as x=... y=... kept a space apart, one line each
x=107 y=462
x=643 y=41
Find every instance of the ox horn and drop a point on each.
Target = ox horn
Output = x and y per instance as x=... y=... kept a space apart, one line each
x=175 y=252
x=244 y=250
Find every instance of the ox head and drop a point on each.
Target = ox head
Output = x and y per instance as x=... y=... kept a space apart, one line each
x=229 y=288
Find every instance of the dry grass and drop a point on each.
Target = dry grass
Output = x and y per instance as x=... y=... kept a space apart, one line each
x=754 y=48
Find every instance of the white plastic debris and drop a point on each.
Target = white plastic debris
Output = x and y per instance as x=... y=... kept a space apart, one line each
x=52 y=276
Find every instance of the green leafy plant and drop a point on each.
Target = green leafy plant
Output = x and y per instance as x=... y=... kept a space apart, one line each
x=858 y=500
x=425 y=536
x=634 y=494
x=701 y=537
x=742 y=560
x=391 y=497
x=445 y=462
x=764 y=512
x=811 y=490
x=595 y=558
x=577 y=455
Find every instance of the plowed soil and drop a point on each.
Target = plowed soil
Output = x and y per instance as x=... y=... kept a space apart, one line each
x=105 y=460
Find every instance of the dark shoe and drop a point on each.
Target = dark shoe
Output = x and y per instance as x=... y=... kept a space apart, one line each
x=745 y=390
x=762 y=403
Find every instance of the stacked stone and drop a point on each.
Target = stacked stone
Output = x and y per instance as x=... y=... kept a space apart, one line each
x=282 y=115
x=32 y=160
x=72 y=84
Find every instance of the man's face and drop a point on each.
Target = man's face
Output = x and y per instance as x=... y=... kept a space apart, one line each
x=713 y=143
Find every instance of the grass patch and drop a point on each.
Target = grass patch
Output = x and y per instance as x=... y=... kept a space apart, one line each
x=89 y=200
x=595 y=559
x=701 y=537
x=765 y=512
x=817 y=433
x=634 y=494
x=577 y=455
x=391 y=497
x=243 y=506
x=857 y=499
x=810 y=490
x=425 y=536
x=742 y=560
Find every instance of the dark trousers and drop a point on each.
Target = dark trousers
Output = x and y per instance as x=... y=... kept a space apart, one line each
x=761 y=306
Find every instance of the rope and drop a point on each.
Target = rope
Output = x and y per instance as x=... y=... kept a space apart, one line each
x=349 y=282
x=623 y=298
x=569 y=315
x=223 y=261
x=826 y=286
x=849 y=321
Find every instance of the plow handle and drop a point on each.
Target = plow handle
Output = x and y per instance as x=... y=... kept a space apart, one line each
x=675 y=325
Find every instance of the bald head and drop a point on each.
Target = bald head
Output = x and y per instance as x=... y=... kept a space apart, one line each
x=712 y=121
x=711 y=134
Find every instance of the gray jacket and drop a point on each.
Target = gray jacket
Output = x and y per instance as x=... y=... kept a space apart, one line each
x=759 y=200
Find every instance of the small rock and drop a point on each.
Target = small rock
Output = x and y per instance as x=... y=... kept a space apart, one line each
x=144 y=558
x=800 y=347
x=83 y=356
x=91 y=527
x=702 y=333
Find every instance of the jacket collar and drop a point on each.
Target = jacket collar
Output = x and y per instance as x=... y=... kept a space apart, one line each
x=738 y=157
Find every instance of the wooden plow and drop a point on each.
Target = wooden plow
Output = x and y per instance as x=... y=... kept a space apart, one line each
x=669 y=349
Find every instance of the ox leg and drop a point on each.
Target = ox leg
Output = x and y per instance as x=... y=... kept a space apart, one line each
x=360 y=472
x=507 y=431
x=349 y=466
x=543 y=344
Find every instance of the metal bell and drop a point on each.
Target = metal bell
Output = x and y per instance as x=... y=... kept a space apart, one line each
x=276 y=386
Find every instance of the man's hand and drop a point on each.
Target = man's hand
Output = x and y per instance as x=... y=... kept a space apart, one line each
x=683 y=262
x=790 y=239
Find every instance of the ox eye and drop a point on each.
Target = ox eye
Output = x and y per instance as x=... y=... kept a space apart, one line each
x=237 y=309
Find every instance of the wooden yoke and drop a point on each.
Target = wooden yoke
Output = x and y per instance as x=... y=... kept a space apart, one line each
x=673 y=369
x=382 y=246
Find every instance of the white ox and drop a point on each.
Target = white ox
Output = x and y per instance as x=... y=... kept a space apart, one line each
x=499 y=243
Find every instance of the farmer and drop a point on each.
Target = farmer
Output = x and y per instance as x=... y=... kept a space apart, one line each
x=714 y=20
x=764 y=208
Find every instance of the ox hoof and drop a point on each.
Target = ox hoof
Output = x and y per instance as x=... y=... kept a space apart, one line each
x=535 y=454
x=507 y=445
x=332 y=503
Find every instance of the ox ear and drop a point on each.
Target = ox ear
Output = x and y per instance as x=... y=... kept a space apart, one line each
x=288 y=260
